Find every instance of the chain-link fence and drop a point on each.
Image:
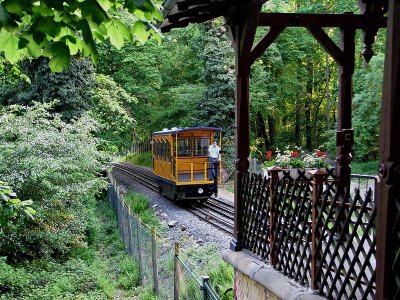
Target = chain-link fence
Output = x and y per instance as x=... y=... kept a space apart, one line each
x=160 y=265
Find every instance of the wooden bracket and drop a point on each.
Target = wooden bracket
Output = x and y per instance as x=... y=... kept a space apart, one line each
x=265 y=42
x=326 y=42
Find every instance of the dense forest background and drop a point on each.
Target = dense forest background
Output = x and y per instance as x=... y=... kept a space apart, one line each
x=59 y=130
x=188 y=80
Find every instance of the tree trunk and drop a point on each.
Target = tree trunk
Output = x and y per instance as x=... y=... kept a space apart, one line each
x=271 y=129
x=261 y=131
x=297 y=137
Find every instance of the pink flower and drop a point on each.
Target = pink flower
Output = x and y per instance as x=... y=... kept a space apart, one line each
x=323 y=156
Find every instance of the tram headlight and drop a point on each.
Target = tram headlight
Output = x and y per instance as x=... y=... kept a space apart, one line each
x=200 y=191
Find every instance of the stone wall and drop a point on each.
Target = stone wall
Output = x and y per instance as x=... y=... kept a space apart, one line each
x=256 y=280
x=247 y=288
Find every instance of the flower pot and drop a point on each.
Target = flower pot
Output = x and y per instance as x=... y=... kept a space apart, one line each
x=265 y=173
x=295 y=173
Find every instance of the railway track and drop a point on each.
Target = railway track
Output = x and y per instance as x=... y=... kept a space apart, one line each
x=215 y=211
x=141 y=175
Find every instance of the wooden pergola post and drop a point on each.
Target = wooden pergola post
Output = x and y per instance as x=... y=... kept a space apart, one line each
x=243 y=24
x=345 y=132
x=388 y=202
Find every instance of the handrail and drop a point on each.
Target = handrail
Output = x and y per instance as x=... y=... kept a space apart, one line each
x=189 y=271
x=364 y=176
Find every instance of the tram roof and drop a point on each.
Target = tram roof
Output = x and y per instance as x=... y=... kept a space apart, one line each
x=177 y=130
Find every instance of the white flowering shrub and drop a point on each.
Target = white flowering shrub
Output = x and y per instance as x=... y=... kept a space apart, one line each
x=56 y=165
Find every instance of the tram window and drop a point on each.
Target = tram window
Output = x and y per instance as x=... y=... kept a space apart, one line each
x=201 y=146
x=184 y=148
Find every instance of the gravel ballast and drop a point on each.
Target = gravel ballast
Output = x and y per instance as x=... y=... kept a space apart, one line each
x=183 y=225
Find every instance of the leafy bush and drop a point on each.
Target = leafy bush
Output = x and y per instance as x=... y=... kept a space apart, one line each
x=89 y=273
x=69 y=87
x=112 y=106
x=11 y=207
x=56 y=165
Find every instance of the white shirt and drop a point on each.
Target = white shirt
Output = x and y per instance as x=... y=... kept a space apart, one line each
x=213 y=151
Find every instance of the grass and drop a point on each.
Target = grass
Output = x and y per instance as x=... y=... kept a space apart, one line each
x=144 y=159
x=229 y=186
x=366 y=168
x=207 y=260
x=139 y=205
x=99 y=271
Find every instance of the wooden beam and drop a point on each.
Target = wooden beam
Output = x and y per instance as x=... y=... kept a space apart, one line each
x=243 y=25
x=192 y=3
x=177 y=15
x=265 y=42
x=326 y=42
x=321 y=20
x=388 y=202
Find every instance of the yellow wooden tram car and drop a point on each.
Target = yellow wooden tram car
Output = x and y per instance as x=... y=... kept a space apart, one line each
x=181 y=164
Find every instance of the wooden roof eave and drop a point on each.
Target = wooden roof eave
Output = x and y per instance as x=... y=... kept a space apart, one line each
x=179 y=13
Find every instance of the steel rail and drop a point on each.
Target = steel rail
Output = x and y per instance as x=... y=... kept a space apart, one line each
x=215 y=211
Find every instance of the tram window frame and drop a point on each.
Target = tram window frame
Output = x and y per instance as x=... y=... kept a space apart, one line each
x=167 y=151
x=187 y=147
x=156 y=152
x=204 y=147
x=163 y=146
x=159 y=150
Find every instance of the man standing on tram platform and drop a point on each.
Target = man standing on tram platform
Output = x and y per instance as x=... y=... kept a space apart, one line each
x=213 y=159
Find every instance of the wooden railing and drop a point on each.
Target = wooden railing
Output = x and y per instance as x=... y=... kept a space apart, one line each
x=304 y=229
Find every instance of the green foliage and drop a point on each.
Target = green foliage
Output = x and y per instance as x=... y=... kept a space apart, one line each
x=12 y=208
x=135 y=69
x=366 y=109
x=94 y=272
x=56 y=165
x=139 y=205
x=207 y=260
x=221 y=277
x=112 y=107
x=217 y=106
x=59 y=29
x=179 y=112
x=368 y=168
x=145 y=159
x=128 y=274
x=70 y=88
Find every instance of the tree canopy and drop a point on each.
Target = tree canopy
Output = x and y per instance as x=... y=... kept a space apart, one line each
x=58 y=29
